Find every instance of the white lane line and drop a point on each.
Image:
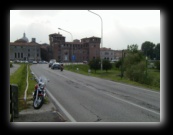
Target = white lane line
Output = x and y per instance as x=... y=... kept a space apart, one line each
x=59 y=105
x=137 y=88
x=112 y=95
x=133 y=104
x=90 y=87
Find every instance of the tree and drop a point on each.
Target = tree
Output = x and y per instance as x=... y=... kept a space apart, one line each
x=95 y=64
x=132 y=48
x=148 y=49
x=106 y=65
x=157 y=52
x=134 y=64
x=118 y=63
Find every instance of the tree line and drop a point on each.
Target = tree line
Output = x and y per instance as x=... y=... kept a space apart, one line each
x=134 y=62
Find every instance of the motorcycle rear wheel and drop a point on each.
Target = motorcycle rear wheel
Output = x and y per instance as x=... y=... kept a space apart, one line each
x=38 y=103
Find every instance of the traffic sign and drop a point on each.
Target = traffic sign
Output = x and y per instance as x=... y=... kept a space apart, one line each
x=73 y=57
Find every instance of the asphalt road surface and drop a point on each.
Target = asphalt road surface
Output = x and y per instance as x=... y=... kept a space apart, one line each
x=88 y=99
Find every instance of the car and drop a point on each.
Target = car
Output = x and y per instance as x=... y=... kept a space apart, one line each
x=56 y=65
x=34 y=62
x=85 y=62
x=51 y=62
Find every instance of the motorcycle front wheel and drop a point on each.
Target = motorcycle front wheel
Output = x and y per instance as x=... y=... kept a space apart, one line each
x=38 y=103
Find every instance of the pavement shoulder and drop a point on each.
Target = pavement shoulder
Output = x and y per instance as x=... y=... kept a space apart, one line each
x=47 y=113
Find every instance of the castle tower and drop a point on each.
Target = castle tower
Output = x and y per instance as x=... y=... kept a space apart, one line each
x=56 y=40
x=94 y=46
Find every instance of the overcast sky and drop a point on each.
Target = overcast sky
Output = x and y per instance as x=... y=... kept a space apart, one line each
x=120 y=27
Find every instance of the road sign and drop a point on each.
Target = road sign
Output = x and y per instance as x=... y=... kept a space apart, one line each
x=73 y=57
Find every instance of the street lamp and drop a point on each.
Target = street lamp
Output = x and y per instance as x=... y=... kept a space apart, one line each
x=71 y=38
x=101 y=34
x=146 y=65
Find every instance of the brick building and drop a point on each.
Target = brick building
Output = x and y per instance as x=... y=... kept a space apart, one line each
x=85 y=49
x=78 y=51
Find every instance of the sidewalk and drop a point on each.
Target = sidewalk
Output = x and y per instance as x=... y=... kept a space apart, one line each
x=47 y=113
x=14 y=68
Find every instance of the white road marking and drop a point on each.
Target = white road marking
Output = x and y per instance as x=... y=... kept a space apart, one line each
x=112 y=95
x=90 y=87
x=59 y=105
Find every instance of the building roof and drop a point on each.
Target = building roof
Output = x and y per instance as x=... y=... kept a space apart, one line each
x=90 y=37
x=58 y=35
x=105 y=49
x=23 y=39
x=74 y=43
x=23 y=44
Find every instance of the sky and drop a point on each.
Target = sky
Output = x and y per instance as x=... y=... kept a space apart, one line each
x=120 y=27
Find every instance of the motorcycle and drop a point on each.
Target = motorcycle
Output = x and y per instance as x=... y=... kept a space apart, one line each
x=39 y=93
x=62 y=67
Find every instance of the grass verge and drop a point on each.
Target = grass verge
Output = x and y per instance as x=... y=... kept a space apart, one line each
x=114 y=75
x=19 y=78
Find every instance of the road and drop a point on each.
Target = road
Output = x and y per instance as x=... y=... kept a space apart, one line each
x=88 y=99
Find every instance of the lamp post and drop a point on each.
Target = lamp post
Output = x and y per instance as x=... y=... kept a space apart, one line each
x=101 y=34
x=146 y=65
x=71 y=38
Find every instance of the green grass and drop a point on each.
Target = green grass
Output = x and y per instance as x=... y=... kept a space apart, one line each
x=114 y=75
x=19 y=78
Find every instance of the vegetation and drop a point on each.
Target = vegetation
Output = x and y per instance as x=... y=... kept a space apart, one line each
x=157 y=65
x=114 y=74
x=132 y=68
x=151 y=50
x=19 y=78
x=95 y=64
x=107 y=65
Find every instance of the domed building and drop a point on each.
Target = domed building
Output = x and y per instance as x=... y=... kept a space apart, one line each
x=24 y=39
x=24 y=50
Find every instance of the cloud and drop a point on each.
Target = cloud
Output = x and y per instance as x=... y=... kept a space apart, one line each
x=39 y=13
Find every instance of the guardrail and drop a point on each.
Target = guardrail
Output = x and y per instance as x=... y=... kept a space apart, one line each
x=14 y=113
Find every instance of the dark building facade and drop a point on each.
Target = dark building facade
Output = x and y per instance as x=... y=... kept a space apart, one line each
x=24 y=50
x=78 y=51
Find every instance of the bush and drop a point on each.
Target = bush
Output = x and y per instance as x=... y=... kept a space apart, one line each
x=95 y=64
x=118 y=63
x=107 y=65
x=137 y=73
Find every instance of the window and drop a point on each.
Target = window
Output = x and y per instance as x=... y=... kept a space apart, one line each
x=37 y=55
x=28 y=54
x=21 y=55
x=15 y=55
x=106 y=53
x=28 y=50
x=18 y=55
